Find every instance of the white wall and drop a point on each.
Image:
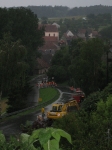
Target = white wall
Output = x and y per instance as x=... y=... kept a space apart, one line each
x=52 y=34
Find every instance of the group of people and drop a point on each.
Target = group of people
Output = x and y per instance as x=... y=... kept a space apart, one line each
x=47 y=84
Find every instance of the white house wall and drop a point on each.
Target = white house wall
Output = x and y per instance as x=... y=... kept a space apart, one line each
x=70 y=33
x=56 y=34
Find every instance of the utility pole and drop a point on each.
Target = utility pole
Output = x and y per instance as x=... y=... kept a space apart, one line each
x=108 y=132
x=108 y=138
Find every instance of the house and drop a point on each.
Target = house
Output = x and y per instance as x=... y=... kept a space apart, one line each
x=69 y=34
x=57 y=25
x=84 y=18
x=42 y=66
x=51 y=30
x=87 y=33
x=51 y=39
x=67 y=38
x=49 y=48
x=50 y=45
x=95 y=34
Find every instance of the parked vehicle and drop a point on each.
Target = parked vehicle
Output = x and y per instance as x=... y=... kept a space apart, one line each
x=78 y=95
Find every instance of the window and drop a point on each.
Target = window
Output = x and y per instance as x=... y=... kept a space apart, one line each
x=54 y=108
x=59 y=108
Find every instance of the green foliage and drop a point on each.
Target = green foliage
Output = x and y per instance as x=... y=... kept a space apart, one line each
x=89 y=61
x=22 y=25
x=60 y=63
x=90 y=103
x=58 y=72
x=102 y=120
x=76 y=124
x=47 y=93
x=42 y=139
x=106 y=91
x=82 y=62
x=107 y=32
x=49 y=138
x=12 y=63
x=12 y=144
x=2 y=138
x=20 y=39
x=63 y=11
x=49 y=11
x=89 y=130
x=17 y=97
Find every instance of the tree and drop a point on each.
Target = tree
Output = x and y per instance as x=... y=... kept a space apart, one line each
x=12 y=64
x=58 y=72
x=107 y=32
x=44 y=20
x=22 y=24
x=60 y=63
x=90 y=102
x=87 y=65
x=101 y=120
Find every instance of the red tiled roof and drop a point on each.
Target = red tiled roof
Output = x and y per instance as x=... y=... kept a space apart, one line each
x=48 y=27
x=49 y=45
x=51 y=28
x=51 y=38
x=94 y=33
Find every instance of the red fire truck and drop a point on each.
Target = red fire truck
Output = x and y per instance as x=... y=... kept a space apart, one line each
x=78 y=95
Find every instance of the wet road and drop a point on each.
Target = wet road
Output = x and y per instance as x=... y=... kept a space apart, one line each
x=12 y=127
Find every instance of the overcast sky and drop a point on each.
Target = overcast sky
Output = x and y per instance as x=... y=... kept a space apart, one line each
x=69 y=3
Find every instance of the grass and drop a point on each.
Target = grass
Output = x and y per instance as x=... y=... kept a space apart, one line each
x=68 y=17
x=47 y=94
x=103 y=27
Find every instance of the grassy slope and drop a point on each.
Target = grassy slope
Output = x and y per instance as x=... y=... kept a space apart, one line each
x=47 y=94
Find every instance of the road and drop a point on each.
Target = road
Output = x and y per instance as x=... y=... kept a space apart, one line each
x=12 y=127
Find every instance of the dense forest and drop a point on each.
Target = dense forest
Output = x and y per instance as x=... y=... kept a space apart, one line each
x=61 y=11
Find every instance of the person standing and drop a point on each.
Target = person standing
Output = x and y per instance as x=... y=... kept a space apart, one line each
x=43 y=112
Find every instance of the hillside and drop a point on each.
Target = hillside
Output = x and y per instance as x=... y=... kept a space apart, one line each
x=63 y=11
